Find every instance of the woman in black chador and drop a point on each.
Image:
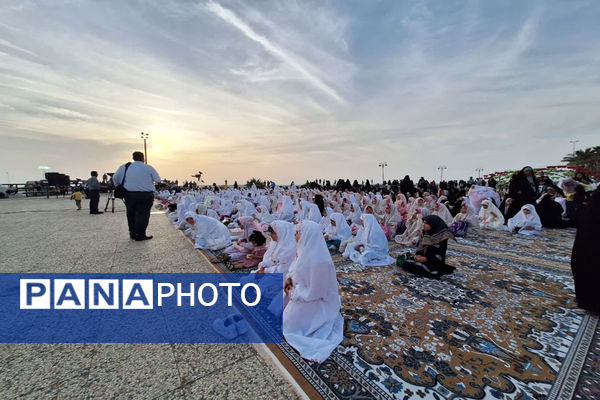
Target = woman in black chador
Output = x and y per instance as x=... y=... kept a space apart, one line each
x=430 y=258
x=406 y=186
x=523 y=188
x=585 y=263
x=549 y=211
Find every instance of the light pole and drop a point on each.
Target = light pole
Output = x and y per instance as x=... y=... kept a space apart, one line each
x=145 y=136
x=442 y=168
x=382 y=164
x=573 y=142
x=478 y=172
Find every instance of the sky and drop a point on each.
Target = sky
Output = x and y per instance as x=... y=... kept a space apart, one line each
x=296 y=90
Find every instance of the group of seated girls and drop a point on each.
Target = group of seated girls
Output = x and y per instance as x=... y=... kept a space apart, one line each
x=360 y=236
x=469 y=221
x=525 y=222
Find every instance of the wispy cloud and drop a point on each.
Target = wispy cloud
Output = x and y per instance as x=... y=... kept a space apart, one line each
x=522 y=41
x=288 y=58
x=7 y=45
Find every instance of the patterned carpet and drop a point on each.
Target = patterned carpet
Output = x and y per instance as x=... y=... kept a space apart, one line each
x=504 y=326
x=588 y=382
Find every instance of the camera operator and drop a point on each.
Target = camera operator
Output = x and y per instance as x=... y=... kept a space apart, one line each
x=139 y=181
x=93 y=187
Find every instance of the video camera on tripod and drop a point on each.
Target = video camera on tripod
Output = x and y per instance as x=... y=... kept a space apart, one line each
x=111 y=192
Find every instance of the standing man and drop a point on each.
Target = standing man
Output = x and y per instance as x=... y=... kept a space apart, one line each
x=93 y=187
x=138 y=179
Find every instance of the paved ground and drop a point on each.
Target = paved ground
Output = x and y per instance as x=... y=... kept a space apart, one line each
x=41 y=235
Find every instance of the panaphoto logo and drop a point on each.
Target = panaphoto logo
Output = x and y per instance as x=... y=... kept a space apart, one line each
x=132 y=294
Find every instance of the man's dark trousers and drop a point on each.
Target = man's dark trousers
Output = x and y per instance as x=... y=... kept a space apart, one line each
x=139 y=205
x=94 y=200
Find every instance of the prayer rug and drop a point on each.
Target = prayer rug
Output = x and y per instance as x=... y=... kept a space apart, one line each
x=505 y=325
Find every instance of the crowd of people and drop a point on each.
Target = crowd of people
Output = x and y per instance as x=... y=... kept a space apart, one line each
x=294 y=230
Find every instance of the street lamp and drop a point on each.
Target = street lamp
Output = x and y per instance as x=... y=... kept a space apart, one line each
x=145 y=136
x=573 y=142
x=442 y=168
x=478 y=172
x=382 y=164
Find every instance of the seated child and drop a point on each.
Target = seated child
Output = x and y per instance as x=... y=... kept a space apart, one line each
x=430 y=258
x=337 y=230
x=526 y=222
x=389 y=220
x=255 y=254
x=412 y=231
x=465 y=221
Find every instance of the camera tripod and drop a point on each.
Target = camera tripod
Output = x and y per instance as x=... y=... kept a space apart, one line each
x=110 y=199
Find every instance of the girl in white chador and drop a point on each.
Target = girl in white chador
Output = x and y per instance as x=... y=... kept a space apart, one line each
x=314 y=214
x=282 y=249
x=419 y=205
x=285 y=209
x=389 y=220
x=226 y=208
x=465 y=222
x=355 y=225
x=526 y=221
x=347 y=246
x=442 y=211
x=303 y=209
x=277 y=260
x=337 y=230
x=372 y=248
x=490 y=217
x=355 y=213
x=414 y=228
x=183 y=207
x=263 y=215
x=201 y=209
x=208 y=233
x=312 y=323
x=244 y=209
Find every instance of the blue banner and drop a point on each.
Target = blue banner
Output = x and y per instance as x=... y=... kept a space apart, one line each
x=141 y=308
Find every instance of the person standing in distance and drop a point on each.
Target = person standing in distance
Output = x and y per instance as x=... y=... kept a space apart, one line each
x=138 y=181
x=93 y=187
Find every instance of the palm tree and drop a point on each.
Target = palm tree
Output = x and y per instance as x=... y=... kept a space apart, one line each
x=588 y=158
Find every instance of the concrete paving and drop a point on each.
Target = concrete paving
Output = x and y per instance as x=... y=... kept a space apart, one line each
x=49 y=235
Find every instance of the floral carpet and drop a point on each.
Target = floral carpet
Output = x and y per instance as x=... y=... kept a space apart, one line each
x=505 y=325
